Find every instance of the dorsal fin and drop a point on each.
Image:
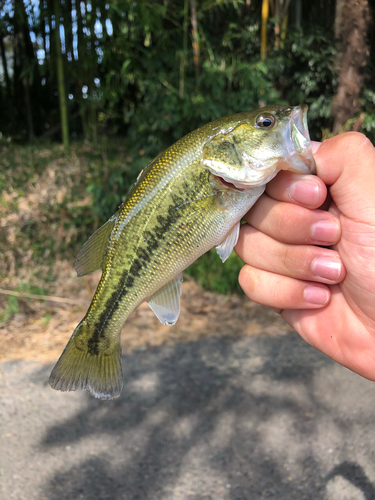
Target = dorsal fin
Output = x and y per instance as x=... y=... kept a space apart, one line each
x=90 y=257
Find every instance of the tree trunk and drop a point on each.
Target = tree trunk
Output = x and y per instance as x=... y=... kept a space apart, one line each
x=248 y=7
x=351 y=27
x=68 y=28
x=299 y=13
x=29 y=116
x=27 y=66
x=60 y=77
x=5 y=66
x=80 y=70
x=42 y=22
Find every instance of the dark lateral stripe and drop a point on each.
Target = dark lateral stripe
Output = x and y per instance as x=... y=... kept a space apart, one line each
x=127 y=280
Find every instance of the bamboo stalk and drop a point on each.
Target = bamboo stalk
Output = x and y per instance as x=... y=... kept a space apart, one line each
x=183 y=60
x=263 y=46
x=60 y=77
x=194 y=36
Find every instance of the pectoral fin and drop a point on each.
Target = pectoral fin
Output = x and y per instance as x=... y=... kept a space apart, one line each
x=224 y=249
x=166 y=302
x=90 y=257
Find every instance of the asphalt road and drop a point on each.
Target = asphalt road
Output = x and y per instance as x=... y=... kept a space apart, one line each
x=223 y=419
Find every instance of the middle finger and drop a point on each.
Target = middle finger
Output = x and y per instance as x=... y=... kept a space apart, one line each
x=290 y=223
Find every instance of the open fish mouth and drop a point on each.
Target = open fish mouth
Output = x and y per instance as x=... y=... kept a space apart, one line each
x=230 y=184
x=246 y=185
x=296 y=137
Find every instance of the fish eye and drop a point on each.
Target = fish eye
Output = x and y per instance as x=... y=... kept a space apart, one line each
x=265 y=120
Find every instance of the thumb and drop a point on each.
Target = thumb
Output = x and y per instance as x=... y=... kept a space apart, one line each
x=347 y=164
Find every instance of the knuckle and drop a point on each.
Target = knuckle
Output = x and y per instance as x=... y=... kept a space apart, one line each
x=356 y=140
x=288 y=258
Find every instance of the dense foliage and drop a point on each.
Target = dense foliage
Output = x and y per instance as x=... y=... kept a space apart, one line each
x=136 y=68
x=148 y=72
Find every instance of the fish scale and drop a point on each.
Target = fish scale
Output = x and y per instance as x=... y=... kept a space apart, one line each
x=187 y=200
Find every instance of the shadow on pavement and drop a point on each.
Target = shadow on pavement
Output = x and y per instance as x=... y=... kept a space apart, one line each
x=354 y=474
x=214 y=419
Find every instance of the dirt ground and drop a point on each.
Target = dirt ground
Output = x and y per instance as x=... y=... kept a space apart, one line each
x=41 y=328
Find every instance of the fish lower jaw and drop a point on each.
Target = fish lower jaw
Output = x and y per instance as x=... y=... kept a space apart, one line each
x=299 y=163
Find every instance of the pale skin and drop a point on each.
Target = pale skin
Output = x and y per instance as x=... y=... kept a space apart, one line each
x=316 y=266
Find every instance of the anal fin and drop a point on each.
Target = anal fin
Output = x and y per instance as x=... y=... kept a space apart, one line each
x=166 y=302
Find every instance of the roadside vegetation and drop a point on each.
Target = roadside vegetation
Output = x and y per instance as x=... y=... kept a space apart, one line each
x=136 y=77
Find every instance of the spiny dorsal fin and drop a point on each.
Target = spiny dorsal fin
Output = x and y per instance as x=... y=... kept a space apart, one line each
x=224 y=249
x=166 y=302
x=90 y=257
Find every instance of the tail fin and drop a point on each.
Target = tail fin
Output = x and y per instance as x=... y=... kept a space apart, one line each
x=100 y=373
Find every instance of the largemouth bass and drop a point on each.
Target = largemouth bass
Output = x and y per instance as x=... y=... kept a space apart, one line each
x=189 y=199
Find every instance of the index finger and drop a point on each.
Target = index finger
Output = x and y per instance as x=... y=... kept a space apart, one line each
x=347 y=164
x=305 y=190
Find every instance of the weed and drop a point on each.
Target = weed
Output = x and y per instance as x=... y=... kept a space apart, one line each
x=10 y=310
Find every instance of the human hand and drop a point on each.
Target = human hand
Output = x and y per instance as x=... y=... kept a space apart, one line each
x=318 y=266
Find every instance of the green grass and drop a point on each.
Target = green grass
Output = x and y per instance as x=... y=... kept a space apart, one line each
x=212 y=274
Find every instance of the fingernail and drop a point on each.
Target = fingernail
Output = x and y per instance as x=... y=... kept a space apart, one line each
x=304 y=191
x=315 y=145
x=316 y=295
x=324 y=267
x=325 y=231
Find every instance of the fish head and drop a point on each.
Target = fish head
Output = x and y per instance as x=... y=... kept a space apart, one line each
x=251 y=149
